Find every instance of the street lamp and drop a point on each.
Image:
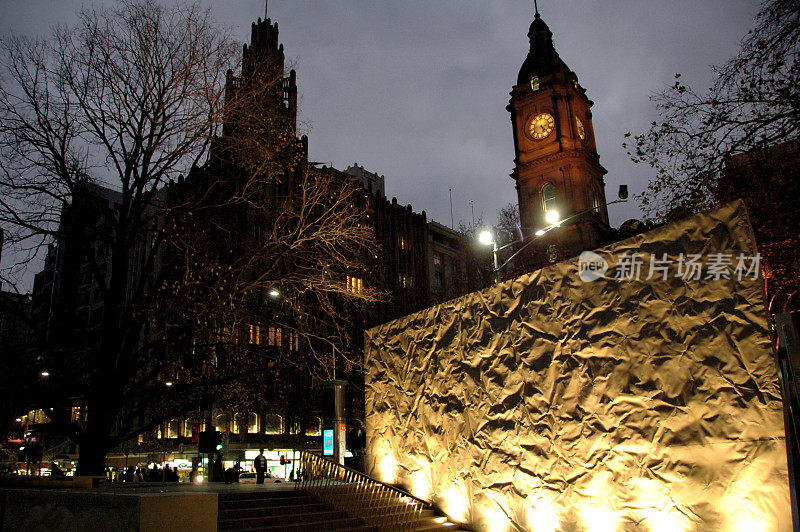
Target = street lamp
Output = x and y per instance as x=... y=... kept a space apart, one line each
x=552 y=217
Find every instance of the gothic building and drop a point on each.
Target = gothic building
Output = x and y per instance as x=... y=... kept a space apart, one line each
x=556 y=165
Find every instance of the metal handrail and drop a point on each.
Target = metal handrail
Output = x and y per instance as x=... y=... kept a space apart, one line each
x=378 y=504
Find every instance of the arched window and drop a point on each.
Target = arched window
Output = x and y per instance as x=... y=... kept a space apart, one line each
x=595 y=201
x=252 y=423
x=548 y=197
x=534 y=83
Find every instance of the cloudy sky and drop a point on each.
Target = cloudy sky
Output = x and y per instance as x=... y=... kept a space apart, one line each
x=417 y=89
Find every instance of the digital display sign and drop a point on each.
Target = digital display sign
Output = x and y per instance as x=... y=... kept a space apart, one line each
x=327 y=442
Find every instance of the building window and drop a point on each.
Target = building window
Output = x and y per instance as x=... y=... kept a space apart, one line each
x=273 y=424
x=534 y=83
x=438 y=273
x=406 y=281
x=294 y=340
x=271 y=336
x=255 y=334
x=595 y=201
x=252 y=423
x=548 y=197
x=186 y=427
x=172 y=428
x=355 y=284
x=403 y=243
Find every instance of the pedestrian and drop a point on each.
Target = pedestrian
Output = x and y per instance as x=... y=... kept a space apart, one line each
x=218 y=471
x=260 y=463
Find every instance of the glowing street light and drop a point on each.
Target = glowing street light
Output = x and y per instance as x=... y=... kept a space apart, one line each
x=274 y=293
x=45 y=373
x=553 y=218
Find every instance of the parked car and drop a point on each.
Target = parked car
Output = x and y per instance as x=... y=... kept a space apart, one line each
x=250 y=478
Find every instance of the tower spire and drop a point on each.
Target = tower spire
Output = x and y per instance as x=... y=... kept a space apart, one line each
x=536 y=8
x=266 y=8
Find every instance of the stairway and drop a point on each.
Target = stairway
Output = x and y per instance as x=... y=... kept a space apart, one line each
x=288 y=510
x=391 y=512
x=292 y=510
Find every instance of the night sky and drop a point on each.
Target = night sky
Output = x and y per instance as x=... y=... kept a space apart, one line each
x=417 y=89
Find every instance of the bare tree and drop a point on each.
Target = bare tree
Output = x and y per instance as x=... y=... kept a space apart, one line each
x=754 y=103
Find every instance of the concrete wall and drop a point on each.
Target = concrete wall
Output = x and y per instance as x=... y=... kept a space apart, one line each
x=580 y=399
x=50 y=510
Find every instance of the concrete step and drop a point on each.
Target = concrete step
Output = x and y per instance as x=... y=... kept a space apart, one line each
x=253 y=502
x=309 y=507
x=341 y=525
x=293 y=518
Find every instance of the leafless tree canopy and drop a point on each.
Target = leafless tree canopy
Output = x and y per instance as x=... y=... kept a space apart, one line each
x=128 y=98
x=754 y=103
x=133 y=98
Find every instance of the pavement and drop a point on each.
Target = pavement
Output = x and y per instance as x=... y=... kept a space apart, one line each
x=187 y=487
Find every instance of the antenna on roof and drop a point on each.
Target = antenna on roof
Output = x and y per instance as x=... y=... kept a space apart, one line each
x=535 y=7
x=266 y=8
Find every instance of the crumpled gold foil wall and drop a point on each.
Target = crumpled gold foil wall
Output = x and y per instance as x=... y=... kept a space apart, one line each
x=549 y=403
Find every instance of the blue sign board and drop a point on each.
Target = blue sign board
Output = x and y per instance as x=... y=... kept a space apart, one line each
x=327 y=442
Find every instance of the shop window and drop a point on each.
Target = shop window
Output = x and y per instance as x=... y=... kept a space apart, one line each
x=252 y=423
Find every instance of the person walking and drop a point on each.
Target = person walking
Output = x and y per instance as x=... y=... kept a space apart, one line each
x=260 y=463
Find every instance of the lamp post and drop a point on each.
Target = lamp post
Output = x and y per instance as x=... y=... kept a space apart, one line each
x=552 y=217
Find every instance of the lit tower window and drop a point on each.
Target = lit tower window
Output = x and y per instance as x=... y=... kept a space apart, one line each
x=548 y=197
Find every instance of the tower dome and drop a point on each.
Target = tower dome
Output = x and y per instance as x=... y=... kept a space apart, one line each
x=542 y=59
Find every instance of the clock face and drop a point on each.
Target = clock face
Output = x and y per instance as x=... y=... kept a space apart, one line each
x=541 y=126
x=581 y=131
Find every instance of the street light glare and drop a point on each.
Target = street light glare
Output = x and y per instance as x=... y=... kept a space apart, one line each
x=552 y=217
x=540 y=232
x=486 y=237
x=45 y=374
x=274 y=292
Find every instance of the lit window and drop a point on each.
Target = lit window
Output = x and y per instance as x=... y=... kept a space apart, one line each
x=172 y=428
x=403 y=243
x=278 y=336
x=535 y=83
x=437 y=259
x=355 y=284
x=548 y=197
x=406 y=281
x=252 y=423
x=271 y=338
x=595 y=201
x=255 y=334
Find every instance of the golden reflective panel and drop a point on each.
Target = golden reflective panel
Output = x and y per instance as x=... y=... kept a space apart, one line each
x=553 y=403
x=541 y=125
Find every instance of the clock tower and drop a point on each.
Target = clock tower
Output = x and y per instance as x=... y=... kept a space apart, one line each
x=556 y=165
